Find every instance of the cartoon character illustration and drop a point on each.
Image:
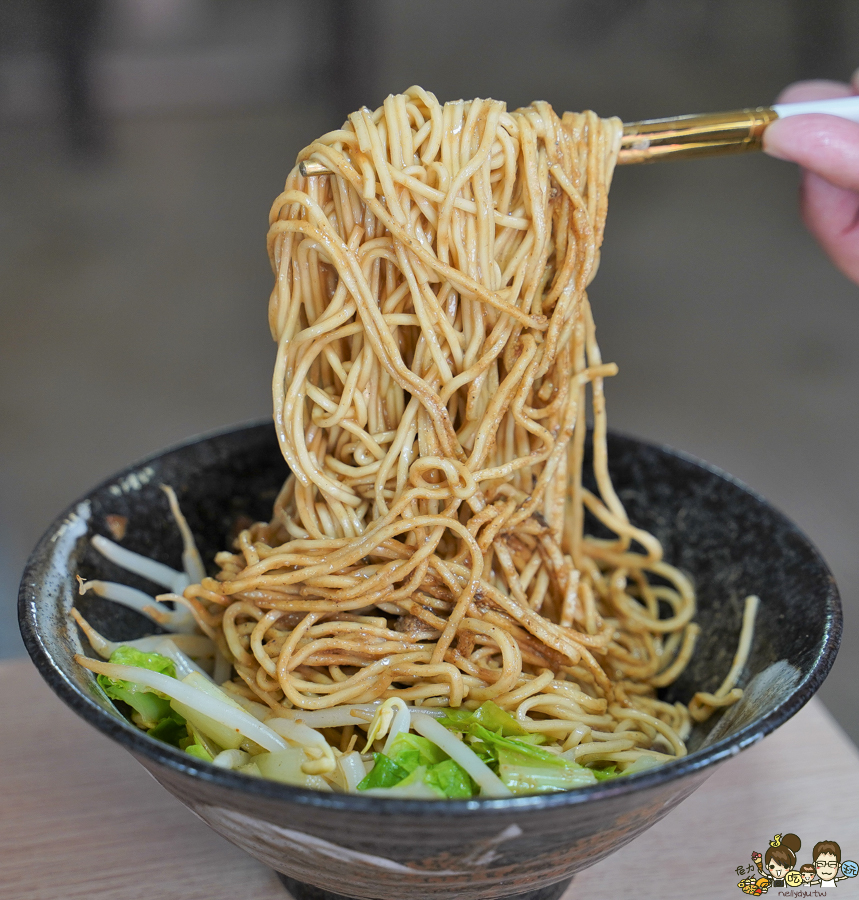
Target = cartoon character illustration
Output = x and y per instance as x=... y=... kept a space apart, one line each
x=779 y=859
x=754 y=886
x=807 y=872
x=827 y=859
x=777 y=867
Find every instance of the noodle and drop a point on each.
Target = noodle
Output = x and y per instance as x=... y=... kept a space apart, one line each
x=435 y=354
x=436 y=361
x=703 y=705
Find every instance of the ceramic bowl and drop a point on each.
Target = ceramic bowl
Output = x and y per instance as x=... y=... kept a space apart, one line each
x=327 y=845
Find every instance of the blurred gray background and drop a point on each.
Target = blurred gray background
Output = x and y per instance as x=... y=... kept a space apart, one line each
x=142 y=142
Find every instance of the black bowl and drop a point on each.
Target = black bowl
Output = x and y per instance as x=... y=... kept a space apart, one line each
x=727 y=538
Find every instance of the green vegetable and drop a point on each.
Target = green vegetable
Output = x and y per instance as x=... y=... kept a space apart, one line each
x=418 y=779
x=528 y=753
x=515 y=755
x=172 y=729
x=642 y=764
x=451 y=780
x=414 y=787
x=198 y=751
x=385 y=773
x=605 y=772
x=409 y=751
x=151 y=706
x=413 y=761
x=283 y=765
x=488 y=714
x=526 y=776
x=485 y=753
x=445 y=780
x=412 y=752
x=197 y=737
x=533 y=737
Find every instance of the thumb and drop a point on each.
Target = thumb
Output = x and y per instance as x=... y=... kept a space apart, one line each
x=825 y=145
x=831 y=214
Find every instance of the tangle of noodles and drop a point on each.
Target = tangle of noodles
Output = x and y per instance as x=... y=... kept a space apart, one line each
x=436 y=353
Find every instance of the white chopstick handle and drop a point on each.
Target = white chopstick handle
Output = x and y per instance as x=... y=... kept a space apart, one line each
x=843 y=107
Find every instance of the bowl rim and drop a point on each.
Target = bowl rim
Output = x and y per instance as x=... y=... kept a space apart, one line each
x=140 y=744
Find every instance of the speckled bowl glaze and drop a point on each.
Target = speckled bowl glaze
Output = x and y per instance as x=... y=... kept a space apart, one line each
x=329 y=845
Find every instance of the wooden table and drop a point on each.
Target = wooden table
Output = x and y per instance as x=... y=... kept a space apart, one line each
x=81 y=820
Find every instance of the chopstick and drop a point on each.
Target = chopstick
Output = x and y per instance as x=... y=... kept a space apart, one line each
x=711 y=134
x=701 y=134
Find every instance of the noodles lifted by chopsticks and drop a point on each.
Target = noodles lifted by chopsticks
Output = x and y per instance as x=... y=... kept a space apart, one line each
x=436 y=351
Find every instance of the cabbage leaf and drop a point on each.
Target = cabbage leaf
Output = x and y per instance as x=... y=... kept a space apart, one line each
x=151 y=707
x=414 y=761
x=488 y=714
x=385 y=773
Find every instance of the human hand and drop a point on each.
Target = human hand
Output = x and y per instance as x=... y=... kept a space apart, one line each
x=827 y=149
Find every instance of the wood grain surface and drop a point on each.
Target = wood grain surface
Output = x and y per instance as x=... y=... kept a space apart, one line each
x=81 y=820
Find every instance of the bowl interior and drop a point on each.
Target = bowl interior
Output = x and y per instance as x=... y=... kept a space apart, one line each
x=730 y=541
